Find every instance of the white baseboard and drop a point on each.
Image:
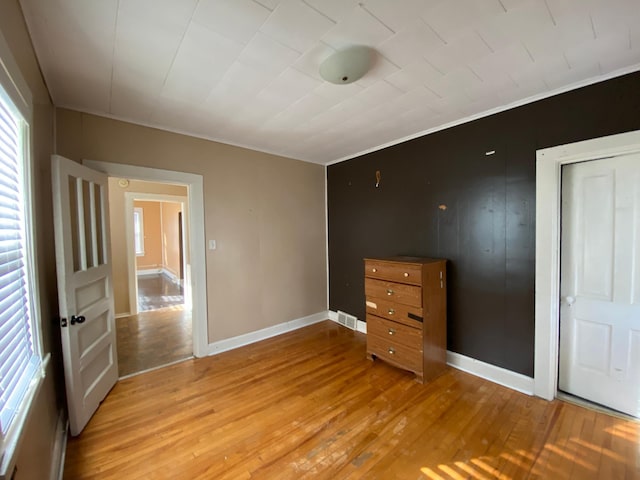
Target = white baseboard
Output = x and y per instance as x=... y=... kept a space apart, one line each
x=170 y=275
x=157 y=271
x=60 y=447
x=499 y=375
x=252 y=337
x=148 y=271
x=360 y=325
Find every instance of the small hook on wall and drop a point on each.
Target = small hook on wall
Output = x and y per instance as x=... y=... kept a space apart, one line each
x=378 y=177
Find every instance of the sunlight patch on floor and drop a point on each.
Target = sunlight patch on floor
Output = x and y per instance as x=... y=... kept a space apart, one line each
x=523 y=462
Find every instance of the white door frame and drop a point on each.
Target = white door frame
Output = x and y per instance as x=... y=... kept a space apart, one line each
x=549 y=162
x=197 y=249
x=129 y=198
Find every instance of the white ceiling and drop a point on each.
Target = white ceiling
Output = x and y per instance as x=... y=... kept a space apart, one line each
x=245 y=72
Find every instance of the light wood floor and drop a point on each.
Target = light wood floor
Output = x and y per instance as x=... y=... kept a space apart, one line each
x=308 y=404
x=152 y=339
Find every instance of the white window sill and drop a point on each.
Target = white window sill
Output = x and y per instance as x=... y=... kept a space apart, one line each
x=11 y=442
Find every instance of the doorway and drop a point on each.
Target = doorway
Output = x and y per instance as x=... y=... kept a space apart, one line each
x=157 y=329
x=153 y=316
x=548 y=227
x=158 y=250
x=158 y=259
x=193 y=239
x=600 y=283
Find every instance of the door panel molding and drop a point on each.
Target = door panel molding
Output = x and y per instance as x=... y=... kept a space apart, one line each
x=90 y=366
x=549 y=162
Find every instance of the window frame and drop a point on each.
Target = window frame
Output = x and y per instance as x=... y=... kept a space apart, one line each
x=138 y=225
x=17 y=96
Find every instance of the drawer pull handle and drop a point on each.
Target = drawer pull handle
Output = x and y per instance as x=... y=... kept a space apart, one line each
x=391 y=311
x=389 y=292
x=391 y=351
x=392 y=331
x=374 y=270
x=406 y=274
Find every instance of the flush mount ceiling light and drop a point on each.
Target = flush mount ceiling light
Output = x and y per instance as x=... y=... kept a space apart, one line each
x=347 y=65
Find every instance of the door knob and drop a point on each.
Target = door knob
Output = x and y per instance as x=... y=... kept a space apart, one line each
x=78 y=319
x=569 y=300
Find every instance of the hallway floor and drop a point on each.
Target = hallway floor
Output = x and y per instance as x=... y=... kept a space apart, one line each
x=152 y=339
x=158 y=291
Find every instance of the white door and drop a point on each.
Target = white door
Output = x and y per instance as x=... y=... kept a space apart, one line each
x=600 y=282
x=85 y=292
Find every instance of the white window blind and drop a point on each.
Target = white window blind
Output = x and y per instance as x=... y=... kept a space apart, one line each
x=19 y=359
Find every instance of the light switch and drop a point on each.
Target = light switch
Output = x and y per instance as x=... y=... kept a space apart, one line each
x=212 y=244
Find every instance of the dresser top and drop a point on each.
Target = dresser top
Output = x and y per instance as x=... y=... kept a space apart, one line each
x=404 y=259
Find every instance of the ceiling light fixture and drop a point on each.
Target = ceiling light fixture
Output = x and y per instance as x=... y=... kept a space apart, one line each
x=347 y=65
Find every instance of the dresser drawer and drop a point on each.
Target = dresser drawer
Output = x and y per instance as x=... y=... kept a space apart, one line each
x=394 y=352
x=395 y=311
x=397 y=332
x=406 y=313
x=394 y=272
x=395 y=292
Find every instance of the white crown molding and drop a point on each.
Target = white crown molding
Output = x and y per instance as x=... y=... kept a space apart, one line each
x=493 y=111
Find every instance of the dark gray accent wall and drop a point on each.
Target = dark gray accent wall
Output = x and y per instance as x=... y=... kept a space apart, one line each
x=442 y=196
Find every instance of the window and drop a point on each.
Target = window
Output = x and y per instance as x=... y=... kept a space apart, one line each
x=20 y=350
x=138 y=231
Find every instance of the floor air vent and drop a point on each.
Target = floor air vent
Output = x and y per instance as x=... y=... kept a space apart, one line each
x=347 y=320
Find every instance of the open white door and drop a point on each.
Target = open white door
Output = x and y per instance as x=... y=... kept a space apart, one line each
x=85 y=292
x=600 y=284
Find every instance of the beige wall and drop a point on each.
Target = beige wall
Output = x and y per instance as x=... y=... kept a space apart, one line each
x=151 y=217
x=36 y=452
x=117 y=219
x=161 y=236
x=171 y=237
x=267 y=214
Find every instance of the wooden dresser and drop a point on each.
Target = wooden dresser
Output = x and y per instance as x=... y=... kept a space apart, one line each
x=406 y=313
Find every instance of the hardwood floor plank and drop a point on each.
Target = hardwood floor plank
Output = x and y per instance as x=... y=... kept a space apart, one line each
x=308 y=405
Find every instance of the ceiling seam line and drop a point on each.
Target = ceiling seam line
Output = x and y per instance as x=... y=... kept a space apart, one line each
x=361 y=5
x=319 y=12
x=184 y=34
x=113 y=54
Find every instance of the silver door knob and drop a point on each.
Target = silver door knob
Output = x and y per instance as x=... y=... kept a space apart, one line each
x=569 y=300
